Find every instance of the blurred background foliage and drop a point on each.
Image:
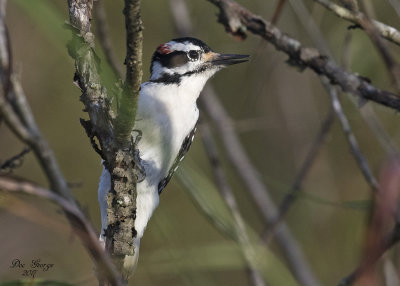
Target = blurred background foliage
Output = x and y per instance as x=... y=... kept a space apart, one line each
x=277 y=111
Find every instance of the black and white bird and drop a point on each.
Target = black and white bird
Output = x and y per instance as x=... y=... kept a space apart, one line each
x=166 y=117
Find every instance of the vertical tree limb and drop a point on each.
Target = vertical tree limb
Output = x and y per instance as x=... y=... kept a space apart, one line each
x=117 y=148
x=133 y=61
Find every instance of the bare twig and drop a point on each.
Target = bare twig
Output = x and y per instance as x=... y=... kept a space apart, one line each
x=390 y=62
x=15 y=161
x=237 y=20
x=38 y=143
x=227 y=194
x=386 y=31
x=304 y=170
x=258 y=191
x=355 y=149
x=78 y=220
x=104 y=38
x=19 y=118
x=278 y=11
x=310 y=26
x=366 y=111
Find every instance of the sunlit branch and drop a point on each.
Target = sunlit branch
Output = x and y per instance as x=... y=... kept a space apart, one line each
x=386 y=31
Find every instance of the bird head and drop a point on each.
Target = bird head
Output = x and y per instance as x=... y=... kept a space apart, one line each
x=188 y=58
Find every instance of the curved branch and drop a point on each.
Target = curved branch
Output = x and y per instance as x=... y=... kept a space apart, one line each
x=237 y=20
x=18 y=116
x=78 y=221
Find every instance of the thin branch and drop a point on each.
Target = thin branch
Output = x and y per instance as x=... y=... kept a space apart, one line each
x=258 y=191
x=305 y=168
x=237 y=20
x=134 y=44
x=15 y=161
x=310 y=26
x=38 y=143
x=227 y=194
x=386 y=31
x=390 y=62
x=278 y=11
x=315 y=33
x=19 y=117
x=366 y=111
x=103 y=34
x=78 y=221
x=355 y=148
x=11 y=118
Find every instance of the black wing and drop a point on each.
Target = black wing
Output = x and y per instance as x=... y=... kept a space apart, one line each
x=187 y=142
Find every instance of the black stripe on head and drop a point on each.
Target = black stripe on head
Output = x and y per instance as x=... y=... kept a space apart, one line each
x=194 y=41
x=177 y=78
x=168 y=79
x=171 y=60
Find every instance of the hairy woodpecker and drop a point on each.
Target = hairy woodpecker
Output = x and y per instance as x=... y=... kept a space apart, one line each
x=166 y=117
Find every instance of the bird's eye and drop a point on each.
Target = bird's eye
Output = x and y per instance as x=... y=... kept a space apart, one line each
x=193 y=55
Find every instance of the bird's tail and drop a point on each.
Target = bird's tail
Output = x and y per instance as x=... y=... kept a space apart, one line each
x=131 y=261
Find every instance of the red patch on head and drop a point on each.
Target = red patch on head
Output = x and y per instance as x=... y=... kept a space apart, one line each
x=164 y=49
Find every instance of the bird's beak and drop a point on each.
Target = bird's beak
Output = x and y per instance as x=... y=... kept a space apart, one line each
x=225 y=59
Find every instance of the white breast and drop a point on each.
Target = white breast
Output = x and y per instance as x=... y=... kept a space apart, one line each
x=166 y=114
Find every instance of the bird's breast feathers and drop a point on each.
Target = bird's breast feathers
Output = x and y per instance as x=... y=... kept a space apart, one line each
x=165 y=119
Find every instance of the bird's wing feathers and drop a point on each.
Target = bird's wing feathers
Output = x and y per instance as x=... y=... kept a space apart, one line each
x=187 y=142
